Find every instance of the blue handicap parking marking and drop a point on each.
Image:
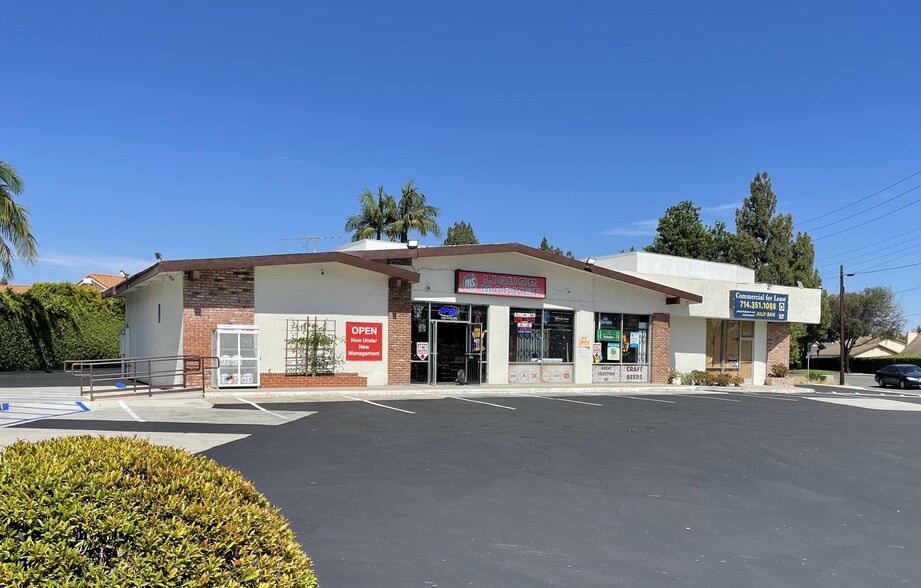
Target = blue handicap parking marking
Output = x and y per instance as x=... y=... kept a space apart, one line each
x=16 y=413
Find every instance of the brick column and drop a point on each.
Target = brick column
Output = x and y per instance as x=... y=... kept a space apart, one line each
x=399 y=332
x=778 y=344
x=660 y=352
x=214 y=297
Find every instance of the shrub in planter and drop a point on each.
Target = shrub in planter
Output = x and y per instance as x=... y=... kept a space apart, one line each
x=92 y=511
x=673 y=376
x=778 y=370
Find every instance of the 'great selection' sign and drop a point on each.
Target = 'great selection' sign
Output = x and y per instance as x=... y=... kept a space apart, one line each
x=499 y=284
x=759 y=305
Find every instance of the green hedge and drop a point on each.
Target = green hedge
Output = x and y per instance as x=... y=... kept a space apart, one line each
x=54 y=322
x=863 y=365
x=92 y=511
x=869 y=365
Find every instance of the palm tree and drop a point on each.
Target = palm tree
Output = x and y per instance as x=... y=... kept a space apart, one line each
x=14 y=223
x=413 y=214
x=375 y=216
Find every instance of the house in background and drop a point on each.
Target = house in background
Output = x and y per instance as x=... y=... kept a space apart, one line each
x=16 y=289
x=913 y=347
x=100 y=281
x=869 y=347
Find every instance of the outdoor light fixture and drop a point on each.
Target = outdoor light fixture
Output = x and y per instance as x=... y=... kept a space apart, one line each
x=123 y=274
x=412 y=243
x=590 y=262
x=159 y=256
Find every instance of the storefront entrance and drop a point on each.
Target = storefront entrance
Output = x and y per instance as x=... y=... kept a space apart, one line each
x=448 y=344
x=455 y=357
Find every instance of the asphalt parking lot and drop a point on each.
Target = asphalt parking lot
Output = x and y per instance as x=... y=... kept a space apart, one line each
x=710 y=489
x=703 y=490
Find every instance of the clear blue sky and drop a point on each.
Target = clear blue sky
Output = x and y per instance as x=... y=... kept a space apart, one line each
x=206 y=129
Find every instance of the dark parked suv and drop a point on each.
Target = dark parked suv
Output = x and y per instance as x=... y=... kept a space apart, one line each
x=903 y=375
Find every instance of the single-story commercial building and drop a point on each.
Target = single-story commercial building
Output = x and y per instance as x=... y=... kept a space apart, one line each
x=398 y=314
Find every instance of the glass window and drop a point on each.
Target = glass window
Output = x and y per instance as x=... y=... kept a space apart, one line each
x=540 y=335
x=558 y=333
x=634 y=339
x=623 y=338
x=732 y=344
x=714 y=344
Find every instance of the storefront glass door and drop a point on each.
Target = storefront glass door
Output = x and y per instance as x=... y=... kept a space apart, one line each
x=449 y=351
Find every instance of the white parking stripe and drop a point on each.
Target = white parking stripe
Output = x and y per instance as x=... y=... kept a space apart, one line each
x=260 y=408
x=649 y=399
x=380 y=405
x=711 y=398
x=764 y=396
x=130 y=412
x=479 y=402
x=560 y=399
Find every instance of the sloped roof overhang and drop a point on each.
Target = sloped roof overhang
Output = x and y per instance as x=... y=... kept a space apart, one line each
x=184 y=265
x=395 y=255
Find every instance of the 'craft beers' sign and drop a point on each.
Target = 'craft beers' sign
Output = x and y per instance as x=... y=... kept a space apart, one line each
x=499 y=284
x=363 y=341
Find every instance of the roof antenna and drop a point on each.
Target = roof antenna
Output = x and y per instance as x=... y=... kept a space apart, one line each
x=308 y=238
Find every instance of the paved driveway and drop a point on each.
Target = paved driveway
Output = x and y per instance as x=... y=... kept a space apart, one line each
x=706 y=490
x=712 y=489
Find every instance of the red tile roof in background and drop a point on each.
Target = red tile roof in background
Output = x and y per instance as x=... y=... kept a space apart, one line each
x=106 y=280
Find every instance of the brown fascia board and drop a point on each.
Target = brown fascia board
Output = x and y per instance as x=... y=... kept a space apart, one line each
x=452 y=250
x=183 y=265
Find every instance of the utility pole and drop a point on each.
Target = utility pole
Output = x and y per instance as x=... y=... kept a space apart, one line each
x=841 y=327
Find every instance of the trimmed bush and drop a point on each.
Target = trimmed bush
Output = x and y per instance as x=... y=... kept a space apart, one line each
x=779 y=370
x=96 y=511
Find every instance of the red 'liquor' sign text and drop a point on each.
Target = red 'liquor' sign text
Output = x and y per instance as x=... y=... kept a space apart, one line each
x=499 y=284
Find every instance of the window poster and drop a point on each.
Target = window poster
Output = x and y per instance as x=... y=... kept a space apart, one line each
x=613 y=352
x=634 y=339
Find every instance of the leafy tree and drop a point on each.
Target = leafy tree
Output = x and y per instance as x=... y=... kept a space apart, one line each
x=461 y=233
x=764 y=240
x=413 y=213
x=376 y=216
x=14 y=223
x=681 y=233
x=546 y=246
x=872 y=312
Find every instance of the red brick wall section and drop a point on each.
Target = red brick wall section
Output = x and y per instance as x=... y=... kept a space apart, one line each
x=217 y=297
x=778 y=344
x=661 y=337
x=399 y=333
x=271 y=380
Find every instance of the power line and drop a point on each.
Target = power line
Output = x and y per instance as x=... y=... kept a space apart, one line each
x=867 y=221
x=886 y=258
x=877 y=252
x=886 y=269
x=902 y=236
x=866 y=210
x=861 y=200
x=909 y=290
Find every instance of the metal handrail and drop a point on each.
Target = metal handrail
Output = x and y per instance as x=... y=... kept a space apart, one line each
x=131 y=376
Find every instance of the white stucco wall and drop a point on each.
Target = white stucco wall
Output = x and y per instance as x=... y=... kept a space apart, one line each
x=150 y=337
x=330 y=291
x=688 y=343
x=567 y=288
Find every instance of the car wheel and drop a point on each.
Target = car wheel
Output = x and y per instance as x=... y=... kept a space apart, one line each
x=879 y=382
x=902 y=384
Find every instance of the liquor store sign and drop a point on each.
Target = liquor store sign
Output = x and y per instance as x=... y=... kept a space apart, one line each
x=766 y=306
x=499 y=284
